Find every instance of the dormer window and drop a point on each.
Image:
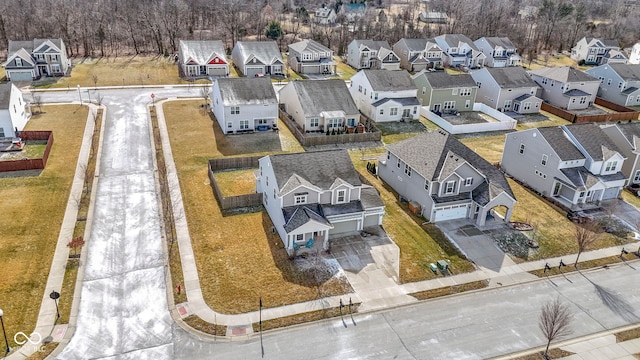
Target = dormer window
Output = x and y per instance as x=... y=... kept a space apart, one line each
x=468 y=181
x=300 y=199
x=611 y=166
x=450 y=187
x=341 y=196
x=18 y=62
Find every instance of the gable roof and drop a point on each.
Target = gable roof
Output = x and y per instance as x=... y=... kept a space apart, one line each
x=264 y=51
x=591 y=41
x=511 y=77
x=296 y=216
x=373 y=44
x=629 y=72
x=324 y=12
x=631 y=130
x=594 y=141
x=57 y=43
x=309 y=45
x=503 y=42
x=444 y=80
x=22 y=54
x=243 y=91
x=320 y=168
x=563 y=74
x=429 y=153
x=317 y=96
x=5 y=95
x=418 y=44
x=15 y=45
x=560 y=143
x=454 y=40
x=385 y=80
x=201 y=50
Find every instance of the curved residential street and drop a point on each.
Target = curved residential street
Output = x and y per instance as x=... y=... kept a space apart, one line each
x=123 y=311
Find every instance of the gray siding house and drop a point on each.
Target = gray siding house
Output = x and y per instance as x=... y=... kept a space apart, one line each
x=459 y=50
x=419 y=54
x=311 y=57
x=320 y=105
x=627 y=138
x=385 y=95
x=566 y=87
x=576 y=165
x=619 y=83
x=594 y=51
x=255 y=58
x=500 y=51
x=507 y=89
x=31 y=59
x=446 y=179
x=314 y=196
x=201 y=58
x=444 y=92
x=371 y=54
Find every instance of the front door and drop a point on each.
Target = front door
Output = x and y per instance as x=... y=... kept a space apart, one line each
x=436 y=107
x=406 y=113
x=203 y=70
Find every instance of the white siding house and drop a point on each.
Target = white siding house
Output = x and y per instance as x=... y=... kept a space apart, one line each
x=507 y=89
x=566 y=87
x=370 y=54
x=385 y=95
x=255 y=58
x=619 y=83
x=200 y=58
x=13 y=110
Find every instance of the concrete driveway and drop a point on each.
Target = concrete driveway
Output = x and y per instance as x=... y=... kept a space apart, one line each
x=627 y=213
x=372 y=264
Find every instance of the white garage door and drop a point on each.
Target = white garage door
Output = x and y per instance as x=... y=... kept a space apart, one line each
x=343 y=227
x=611 y=193
x=451 y=212
x=218 y=70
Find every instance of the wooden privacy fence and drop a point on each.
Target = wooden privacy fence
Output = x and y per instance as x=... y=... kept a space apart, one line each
x=30 y=164
x=622 y=113
x=307 y=140
x=237 y=201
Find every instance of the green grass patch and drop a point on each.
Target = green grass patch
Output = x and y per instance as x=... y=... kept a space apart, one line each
x=583 y=265
x=450 y=290
x=306 y=317
x=32 y=224
x=207 y=328
x=628 y=334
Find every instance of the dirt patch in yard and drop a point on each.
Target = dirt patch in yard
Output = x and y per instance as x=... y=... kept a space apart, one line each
x=468 y=117
x=236 y=181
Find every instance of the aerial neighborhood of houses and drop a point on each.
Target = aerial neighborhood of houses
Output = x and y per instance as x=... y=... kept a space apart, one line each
x=436 y=130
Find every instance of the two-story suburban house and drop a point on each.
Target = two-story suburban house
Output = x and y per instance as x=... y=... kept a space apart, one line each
x=244 y=104
x=419 y=54
x=200 y=58
x=371 y=54
x=500 y=51
x=256 y=58
x=385 y=95
x=314 y=196
x=634 y=55
x=619 y=83
x=325 y=16
x=13 y=110
x=442 y=91
x=445 y=178
x=353 y=11
x=573 y=164
x=566 y=87
x=507 y=89
x=459 y=50
x=320 y=105
x=29 y=60
x=311 y=57
x=595 y=51
x=627 y=138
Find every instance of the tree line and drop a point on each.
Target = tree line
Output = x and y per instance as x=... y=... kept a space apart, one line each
x=119 y=27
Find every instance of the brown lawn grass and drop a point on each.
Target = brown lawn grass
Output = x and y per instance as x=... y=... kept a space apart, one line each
x=306 y=317
x=583 y=265
x=554 y=353
x=45 y=350
x=553 y=121
x=344 y=70
x=119 y=71
x=236 y=182
x=207 y=328
x=631 y=199
x=238 y=258
x=32 y=215
x=449 y=290
x=628 y=334
x=418 y=245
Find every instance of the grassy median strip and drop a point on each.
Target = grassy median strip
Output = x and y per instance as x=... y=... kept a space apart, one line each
x=208 y=328
x=583 y=265
x=450 y=290
x=32 y=216
x=628 y=335
x=45 y=350
x=553 y=354
x=306 y=317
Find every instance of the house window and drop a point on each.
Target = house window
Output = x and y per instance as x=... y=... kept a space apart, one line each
x=307 y=56
x=544 y=81
x=465 y=92
x=274 y=193
x=608 y=81
x=359 y=88
x=454 y=92
x=300 y=199
x=424 y=90
x=450 y=187
x=299 y=237
x=229 y=125
x=556 y=189
x=18 y=62
x=313 y=122
x=262 y=121
x=468 y=181
x=521 y=149
x=507 y=104
x=449 y=105
x=375 y=96
x=637 y=177
x=533 y=91
x=235 y=110
x=381 y=111
x=426 y=183
x=583 y=100
x=244 y=124
x=601 y=79
x=526 y=106
x=398 y=164
x=581 y=195
x=334 y=123
x=407 y=170
x=393 y=111
x=620 y=85
x=1 y=132
x=545 y=157
x=341 y=196
x=479 y=85
x=388 y=155
x=415 y=110
x=611 y=166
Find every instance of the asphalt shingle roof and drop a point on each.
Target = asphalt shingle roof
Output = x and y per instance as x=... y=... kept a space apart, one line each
x=317 y=96
x=385 y=80
x=201 y=50
x=576 y=92
x=560 y=143
x=454 y=40
x=264 y=51
x=629 y=72
x=309 y=45
x=296 y=216
x=444 y=80
x=629 y=130
x=243 y=91
x=430 y=153
x=511 y=77
x=595 y=142
x=564 y=74
x=320 y=168
x=373 y=44
x=496 y=41
x=5 y=95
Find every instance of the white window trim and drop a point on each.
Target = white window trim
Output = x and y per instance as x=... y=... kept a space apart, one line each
x=453 y=187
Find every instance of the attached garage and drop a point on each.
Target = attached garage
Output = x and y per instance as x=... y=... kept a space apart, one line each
x=20 y=75
x=451 y=212
x=343 y=227
x=217 y=70
x=253 y=70
x=371 y=220
x=611 y=193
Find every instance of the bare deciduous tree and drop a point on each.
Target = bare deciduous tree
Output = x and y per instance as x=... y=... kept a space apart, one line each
x=585 y=235
x=555 y=321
